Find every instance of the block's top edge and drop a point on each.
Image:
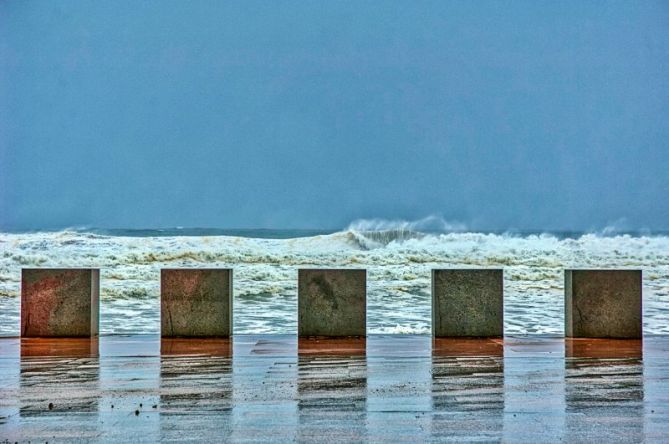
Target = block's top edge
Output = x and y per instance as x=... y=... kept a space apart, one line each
x=468 y=269
x=332 y=269
x=58 y=268
x=195 y=269
x=603 y=269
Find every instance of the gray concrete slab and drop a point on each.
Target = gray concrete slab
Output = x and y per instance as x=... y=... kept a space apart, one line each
x=196 y=302
x=603 y=303
x=332 y=302
x=467 y=302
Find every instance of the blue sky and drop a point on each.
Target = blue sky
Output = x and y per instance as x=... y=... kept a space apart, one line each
x=523 y=114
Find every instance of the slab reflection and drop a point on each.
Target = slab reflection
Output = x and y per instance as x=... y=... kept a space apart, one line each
x=603 y=386
x=58 y=376
x=60 y=347
x=603 y=348
x=197 y=346
x=319 y=346
x=332 y=389
x=195 y=388
x=467 y=388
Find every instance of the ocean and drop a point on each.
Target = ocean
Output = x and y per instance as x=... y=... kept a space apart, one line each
x=398 y=259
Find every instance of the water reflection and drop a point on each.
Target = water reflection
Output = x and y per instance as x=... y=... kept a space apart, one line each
x=534 y=389
x=332 y=346
x=467 y=388
x=59 y=375
x=332 y=389
x=604 y=385
x=196 y=347
x=195 y=387
x=60 y=347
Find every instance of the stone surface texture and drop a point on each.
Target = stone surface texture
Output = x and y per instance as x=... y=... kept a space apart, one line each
x=60 y=302
x=332 y=302
x=467 y=303
x=196 y=302
x=603 y=303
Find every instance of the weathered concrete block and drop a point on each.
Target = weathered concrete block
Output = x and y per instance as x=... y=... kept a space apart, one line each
x=603 y=303
x=60 y=302
x=332 y=302
x=467 y=302
x=196 y=302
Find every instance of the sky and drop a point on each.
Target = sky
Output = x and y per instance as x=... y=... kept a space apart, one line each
x=294 y=114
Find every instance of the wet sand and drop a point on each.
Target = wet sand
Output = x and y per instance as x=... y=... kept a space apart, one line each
x=403 y=388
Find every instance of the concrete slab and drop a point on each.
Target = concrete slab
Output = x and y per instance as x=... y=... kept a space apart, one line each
x=332 y=302
x=60 y=302
x=196 y=302
x=603 y=303
x=467 y=302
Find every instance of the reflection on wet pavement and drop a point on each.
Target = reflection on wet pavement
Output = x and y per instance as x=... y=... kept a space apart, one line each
x=387 y=388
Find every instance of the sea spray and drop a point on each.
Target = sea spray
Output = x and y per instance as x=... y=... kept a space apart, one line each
x=398 y=256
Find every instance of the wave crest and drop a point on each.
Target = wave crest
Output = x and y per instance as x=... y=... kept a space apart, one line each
x=370 y=234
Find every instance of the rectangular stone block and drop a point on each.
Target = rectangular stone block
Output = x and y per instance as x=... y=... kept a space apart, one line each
x=196 y=302
x=468 y=302
x=60 y=302
x=332 y=302
x=603 y=303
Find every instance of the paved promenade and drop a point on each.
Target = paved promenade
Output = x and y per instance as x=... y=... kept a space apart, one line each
x=385 y=389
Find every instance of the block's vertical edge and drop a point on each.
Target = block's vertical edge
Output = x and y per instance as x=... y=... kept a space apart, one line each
x=230 y=303
x=568 y=304
x=640 y=274
x=23 y=318
x=501 y=302
x=163 y=319
x=364 y=281
x=300 y=305
x=95 y=302
x=435 y=304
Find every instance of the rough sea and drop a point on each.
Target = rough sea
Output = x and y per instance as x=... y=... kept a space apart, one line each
x=398 y=258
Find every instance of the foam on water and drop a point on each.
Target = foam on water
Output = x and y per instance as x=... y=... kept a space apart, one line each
x=398 y=260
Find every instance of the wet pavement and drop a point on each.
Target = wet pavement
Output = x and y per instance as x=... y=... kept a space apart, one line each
x=402 y=388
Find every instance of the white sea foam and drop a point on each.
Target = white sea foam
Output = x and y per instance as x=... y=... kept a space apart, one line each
x=398 y=258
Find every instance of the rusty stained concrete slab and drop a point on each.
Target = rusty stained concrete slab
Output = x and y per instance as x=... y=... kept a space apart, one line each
x=261 y=388
x=60 y=302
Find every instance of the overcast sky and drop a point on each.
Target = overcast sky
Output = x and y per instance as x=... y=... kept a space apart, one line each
x=524 y=114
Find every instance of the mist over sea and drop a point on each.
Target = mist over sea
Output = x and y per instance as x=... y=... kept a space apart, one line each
x=397 y=255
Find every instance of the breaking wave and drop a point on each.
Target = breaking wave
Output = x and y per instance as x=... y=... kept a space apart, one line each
x=397 y=254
